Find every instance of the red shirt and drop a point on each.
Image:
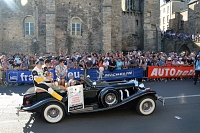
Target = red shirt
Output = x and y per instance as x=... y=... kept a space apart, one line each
x=100 y=64
x=169 y=63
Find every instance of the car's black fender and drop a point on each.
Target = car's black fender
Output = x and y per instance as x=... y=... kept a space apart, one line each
x=106 y=91
x=38 y=107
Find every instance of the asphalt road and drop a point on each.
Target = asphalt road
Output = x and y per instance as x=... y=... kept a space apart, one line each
x=181 y=114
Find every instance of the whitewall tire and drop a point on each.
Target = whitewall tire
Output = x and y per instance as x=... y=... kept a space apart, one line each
x=146 y=105
x=53 y=113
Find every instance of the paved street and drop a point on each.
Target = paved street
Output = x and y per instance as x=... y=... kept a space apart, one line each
x=179 y=115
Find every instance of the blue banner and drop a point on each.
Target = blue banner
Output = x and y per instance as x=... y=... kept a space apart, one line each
x=26 y=77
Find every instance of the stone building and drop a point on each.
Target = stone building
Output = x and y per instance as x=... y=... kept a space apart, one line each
x=187 y=22
x=45 y=26
x=168 y=13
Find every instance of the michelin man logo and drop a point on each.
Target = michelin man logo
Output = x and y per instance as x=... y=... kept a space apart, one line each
x=100 y=72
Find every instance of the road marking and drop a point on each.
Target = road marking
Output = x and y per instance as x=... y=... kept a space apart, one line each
x=181 y=96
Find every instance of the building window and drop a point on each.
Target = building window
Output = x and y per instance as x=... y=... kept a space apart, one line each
x=182 y=24
x=130 y=5
x=163 y=10
x=76 y=27
x=137 y=22
x=167 y=18
x=163 y=20
x=167 y=9
x=29 y=26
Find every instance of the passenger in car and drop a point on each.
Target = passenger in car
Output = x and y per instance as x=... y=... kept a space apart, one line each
x=39 y=79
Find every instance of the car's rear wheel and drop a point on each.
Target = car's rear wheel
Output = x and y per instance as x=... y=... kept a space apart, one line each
x=146 y=105
x=53 y=113
x=110 y=98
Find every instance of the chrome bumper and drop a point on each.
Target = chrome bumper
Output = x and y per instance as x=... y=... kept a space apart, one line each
x=161 y=99
x=19 y=109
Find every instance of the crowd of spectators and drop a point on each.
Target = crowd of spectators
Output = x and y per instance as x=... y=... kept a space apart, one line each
x=181 y=36
x=110 y=61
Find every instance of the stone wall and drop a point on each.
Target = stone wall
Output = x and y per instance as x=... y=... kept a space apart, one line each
x=131 y=31
x=179 y=45
x=193 y=18
x=104 y=26
x=150 y=25
x=89 y=12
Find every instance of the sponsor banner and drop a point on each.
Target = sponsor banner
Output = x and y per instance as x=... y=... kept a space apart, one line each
x=116 y=74
x=75 y=98
x=26 y=76
x=170 y=72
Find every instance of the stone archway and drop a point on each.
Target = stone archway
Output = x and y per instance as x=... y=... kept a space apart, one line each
x=184 y=47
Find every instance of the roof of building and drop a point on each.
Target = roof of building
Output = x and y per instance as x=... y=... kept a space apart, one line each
x=192 y=1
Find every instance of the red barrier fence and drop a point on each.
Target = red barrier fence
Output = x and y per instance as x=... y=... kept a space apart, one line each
x=170 y=72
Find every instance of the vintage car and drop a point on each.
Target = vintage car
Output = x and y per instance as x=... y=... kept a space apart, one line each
x=96 y=96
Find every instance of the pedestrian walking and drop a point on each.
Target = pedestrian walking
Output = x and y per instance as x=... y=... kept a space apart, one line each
x=197 y=69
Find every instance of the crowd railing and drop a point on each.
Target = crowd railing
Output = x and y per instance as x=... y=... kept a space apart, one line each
x=26 y=76
x=153 y=72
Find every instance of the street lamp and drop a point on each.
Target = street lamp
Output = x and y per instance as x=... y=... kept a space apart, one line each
x=34 y=42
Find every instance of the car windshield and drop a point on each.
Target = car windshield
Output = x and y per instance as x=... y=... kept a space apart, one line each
x=88 y=81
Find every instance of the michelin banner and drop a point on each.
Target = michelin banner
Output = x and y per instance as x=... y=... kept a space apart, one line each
x=26 y=77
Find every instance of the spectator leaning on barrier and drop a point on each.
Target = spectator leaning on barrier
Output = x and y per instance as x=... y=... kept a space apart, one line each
x=190 y=61
x=169 y=61
x=89 y=63
x=15 y=66
x=70 y=64
x=126 y=63
x=105 y=63
x=162 y=61
x=133 y=62
x=112 y=64
x=24 y=66
x=119 y=64
x=175 y=62
x=197 y=69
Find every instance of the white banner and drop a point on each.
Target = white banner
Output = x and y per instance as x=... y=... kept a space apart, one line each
x=75 y=98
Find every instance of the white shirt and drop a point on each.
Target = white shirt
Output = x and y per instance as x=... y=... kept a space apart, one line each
x=106 y=63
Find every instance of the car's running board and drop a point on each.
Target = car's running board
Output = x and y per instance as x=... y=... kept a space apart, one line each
x=91 y=109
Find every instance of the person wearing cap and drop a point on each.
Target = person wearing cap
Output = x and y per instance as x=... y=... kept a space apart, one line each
x=169 y=61
x=61 y=72
x=39 y=79
x=197 y=68
x=105 y=63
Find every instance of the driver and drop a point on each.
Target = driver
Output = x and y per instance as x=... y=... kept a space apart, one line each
x=39 y=81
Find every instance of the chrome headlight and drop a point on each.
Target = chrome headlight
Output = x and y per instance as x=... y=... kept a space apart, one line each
x=141 y=85
x=94 y=83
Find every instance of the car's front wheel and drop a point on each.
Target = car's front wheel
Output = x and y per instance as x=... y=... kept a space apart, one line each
x=146 y=105
x=110 y=98
x=53 y=113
